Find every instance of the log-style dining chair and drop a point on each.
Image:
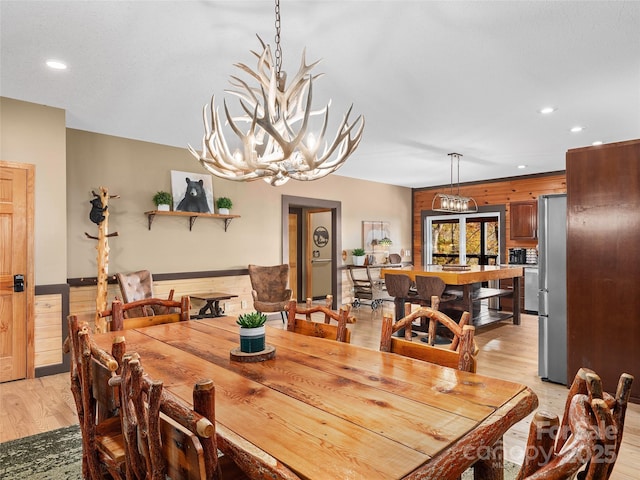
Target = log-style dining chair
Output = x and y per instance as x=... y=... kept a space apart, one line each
x=120 y=316
x=588 y=438
x=325 y=329
x=136 y=286
x=165 y=437
x=269 y=288
x=97 y=405
x=460 y=354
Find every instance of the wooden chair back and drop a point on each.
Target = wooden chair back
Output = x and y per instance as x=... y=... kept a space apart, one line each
x=91 y=370
x=461 y=353
x=306 y=326
x=181 y=442
x=362 y=282
x=163 y=436
x=588 y=438
x=122 y=320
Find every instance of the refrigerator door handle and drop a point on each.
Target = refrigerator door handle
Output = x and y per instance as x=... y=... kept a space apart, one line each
x=543 y=302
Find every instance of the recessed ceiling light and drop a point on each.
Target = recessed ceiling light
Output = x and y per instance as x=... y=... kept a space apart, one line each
x=577 y=129
x=522 y=166
x=547 y=110
x=56 y=65
x=598 y=142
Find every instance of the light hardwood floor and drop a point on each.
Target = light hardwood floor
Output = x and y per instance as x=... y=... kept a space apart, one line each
x=506 y=351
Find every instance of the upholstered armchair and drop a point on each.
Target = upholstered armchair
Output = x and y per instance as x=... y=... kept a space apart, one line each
x=269 y=288
x=139 y=286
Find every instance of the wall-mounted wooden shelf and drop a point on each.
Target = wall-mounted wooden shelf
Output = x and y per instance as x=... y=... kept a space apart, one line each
x=151 y=215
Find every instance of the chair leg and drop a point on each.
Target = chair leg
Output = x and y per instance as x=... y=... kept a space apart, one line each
x=282 y=315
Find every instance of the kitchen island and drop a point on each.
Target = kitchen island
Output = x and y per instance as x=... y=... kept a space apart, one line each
x=468 y=286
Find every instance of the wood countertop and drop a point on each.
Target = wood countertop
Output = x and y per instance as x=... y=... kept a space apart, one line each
x=475 y=274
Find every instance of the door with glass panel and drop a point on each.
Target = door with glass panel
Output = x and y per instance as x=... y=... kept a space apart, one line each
x=472 y=239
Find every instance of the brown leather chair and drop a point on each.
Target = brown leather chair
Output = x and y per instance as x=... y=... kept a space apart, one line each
x=136 y=286
x=269 y=288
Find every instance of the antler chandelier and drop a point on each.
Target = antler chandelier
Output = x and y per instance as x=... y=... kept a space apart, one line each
x=450 y=202
x=276 y=143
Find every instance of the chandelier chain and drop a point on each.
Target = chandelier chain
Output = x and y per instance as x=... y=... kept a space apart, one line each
x=278 y=52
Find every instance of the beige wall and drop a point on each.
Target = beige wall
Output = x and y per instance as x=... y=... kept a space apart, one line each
x=70 y=163
x=136 y=170
x=35 y=134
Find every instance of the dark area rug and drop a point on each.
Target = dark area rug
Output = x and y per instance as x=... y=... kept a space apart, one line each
x=54 y=455
x=57 y=455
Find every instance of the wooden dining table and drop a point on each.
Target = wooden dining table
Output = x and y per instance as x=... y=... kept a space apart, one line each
x=331 y=410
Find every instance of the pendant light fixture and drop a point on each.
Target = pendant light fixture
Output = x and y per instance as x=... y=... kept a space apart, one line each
x=271 y=138
x=450 y=202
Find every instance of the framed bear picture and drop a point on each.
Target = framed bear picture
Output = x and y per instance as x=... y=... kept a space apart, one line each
x=192 y=192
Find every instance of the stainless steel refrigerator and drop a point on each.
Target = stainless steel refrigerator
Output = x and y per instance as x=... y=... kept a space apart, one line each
x=552 y=292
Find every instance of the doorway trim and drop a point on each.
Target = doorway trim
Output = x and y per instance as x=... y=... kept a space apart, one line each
x=290 y=201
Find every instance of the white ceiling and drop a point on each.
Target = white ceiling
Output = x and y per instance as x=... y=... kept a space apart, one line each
x=430 y=77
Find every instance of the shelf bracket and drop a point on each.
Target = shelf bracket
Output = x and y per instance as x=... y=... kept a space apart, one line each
x=227 y=221
x=192 y=220
x=150 y=217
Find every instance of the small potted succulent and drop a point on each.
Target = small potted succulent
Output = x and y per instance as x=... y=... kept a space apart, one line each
x=224 y=204
x=163 y=201
x=252 y=332
x=358 y=256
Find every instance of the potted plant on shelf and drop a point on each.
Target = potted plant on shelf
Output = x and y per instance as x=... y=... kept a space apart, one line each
x=224 y=204
x=358 y=256
x=163 y=201
x=252 y=332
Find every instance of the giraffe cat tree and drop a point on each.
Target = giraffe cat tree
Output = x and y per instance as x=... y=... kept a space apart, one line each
x=100 y=216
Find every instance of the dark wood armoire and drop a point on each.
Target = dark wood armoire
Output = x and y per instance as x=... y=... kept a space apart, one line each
x=603 y=261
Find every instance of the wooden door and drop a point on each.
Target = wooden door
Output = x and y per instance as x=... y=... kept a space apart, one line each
x=16 y=238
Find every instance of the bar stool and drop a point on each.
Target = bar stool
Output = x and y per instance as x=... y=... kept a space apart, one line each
x=399 y=287
x=427 y=288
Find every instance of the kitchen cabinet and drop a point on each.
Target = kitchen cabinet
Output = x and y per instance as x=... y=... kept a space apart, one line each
x=524 y=220
x=603 y=261
x=506 y=302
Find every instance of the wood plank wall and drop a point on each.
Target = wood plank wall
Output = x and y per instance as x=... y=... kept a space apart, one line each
x=82 y=299
x=48 y=335
x=498 y=192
